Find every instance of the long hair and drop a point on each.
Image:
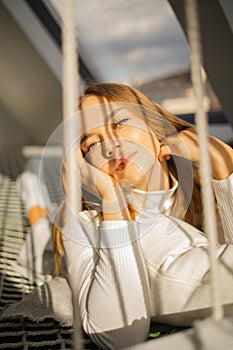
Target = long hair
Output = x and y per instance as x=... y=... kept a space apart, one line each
x=119 y=93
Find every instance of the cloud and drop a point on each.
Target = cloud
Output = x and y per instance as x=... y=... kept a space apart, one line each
x=131 y=38
x=120 y=19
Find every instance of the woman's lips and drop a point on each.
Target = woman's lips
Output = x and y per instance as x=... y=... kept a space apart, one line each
x=122 y=162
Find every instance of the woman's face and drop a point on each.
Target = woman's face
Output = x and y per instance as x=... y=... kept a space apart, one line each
x=120 y=144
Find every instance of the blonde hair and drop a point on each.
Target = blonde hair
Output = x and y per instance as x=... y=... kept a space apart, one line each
x=120 y=93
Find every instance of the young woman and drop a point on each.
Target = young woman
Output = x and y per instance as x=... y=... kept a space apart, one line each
x=136 y=253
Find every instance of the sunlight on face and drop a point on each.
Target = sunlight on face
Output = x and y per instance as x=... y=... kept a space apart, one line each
x=119 y=143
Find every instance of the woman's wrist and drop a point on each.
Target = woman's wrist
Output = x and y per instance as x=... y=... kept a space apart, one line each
x=114 y=205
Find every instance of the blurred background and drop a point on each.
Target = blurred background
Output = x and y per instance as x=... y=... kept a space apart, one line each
x=140 y=43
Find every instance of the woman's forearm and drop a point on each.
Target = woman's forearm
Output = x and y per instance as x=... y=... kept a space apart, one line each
x=110 y=284
x=221 y=156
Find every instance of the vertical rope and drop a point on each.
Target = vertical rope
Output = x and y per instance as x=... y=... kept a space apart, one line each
x=70 y=100
x=70 y=87
x=193 y=31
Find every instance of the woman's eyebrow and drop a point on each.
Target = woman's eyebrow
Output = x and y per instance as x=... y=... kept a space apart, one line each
x=109 y=117
x=116 y=111
x=86 y=136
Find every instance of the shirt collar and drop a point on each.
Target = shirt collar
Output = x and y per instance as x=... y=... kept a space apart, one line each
x=157 y=201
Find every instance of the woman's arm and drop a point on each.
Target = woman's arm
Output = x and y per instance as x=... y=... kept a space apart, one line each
x=106 y=270
x=221 y=155
x=185 y=144
x=109 y=282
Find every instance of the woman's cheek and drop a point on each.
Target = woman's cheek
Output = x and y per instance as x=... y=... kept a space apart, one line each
x=141 y=137
x=95 y=158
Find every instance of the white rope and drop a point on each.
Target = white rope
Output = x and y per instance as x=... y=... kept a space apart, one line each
x=70 y=88
x=193 y=32
x=70 y=100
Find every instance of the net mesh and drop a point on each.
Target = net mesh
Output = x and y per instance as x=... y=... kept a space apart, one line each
x=20 y=332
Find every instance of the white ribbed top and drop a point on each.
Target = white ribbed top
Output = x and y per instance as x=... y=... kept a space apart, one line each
x=224 y=193
x=125 y=273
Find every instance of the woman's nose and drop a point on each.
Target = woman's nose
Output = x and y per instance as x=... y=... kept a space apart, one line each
x=111 y=147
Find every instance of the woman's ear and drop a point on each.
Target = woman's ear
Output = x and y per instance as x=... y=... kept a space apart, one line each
x=165 y=153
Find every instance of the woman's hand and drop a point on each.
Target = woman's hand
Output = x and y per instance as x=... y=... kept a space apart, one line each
x=185 y=144
x=95 y=181
x=105 y=187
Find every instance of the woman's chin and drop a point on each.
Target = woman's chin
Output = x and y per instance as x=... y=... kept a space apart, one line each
x=135 y=178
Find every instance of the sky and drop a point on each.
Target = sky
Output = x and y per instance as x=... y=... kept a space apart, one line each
x=130 y=41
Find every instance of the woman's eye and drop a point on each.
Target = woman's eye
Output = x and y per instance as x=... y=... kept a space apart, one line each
x=120 y=122
x=92 y=145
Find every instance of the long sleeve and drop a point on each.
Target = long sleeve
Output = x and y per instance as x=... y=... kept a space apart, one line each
x=109 y=280
x=123 y=274
x=176 y=255
x=224 y=193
